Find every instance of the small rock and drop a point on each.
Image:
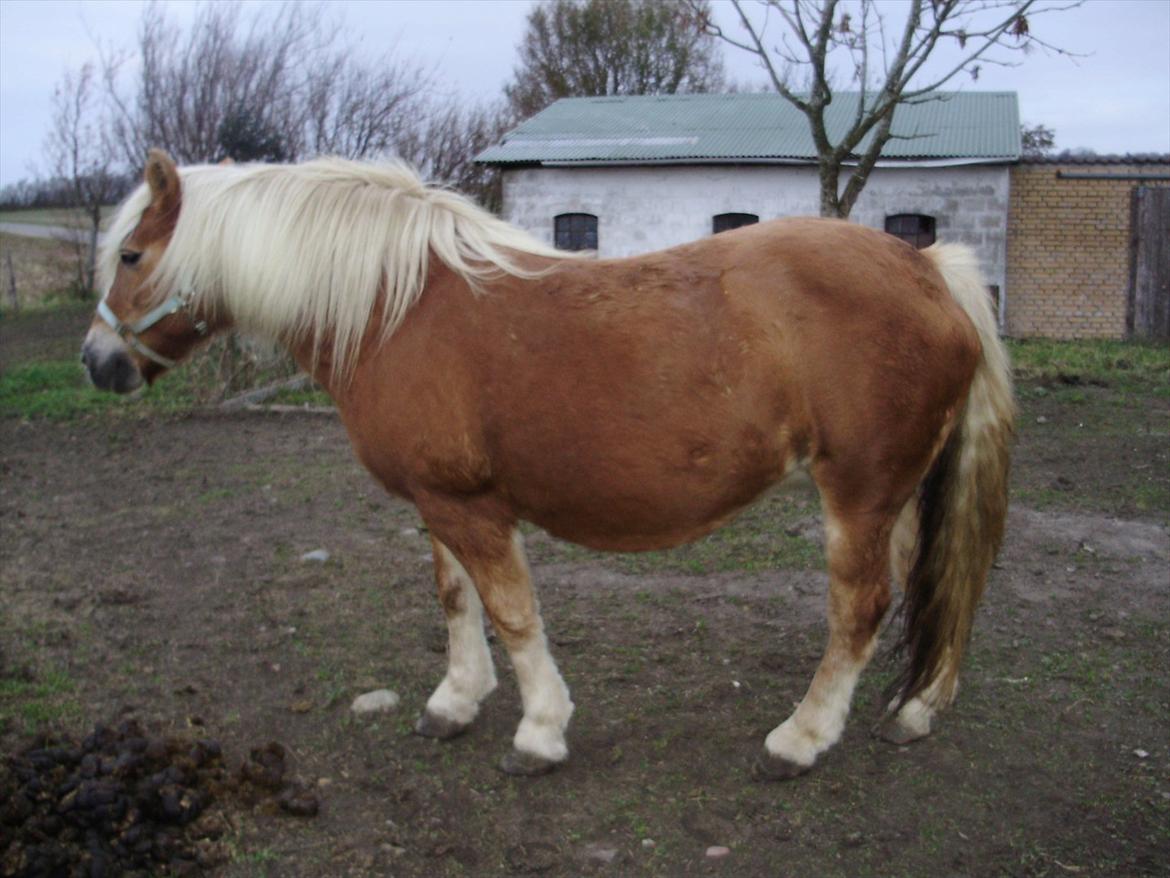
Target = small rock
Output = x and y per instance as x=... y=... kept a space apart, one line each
x=600 y=853
x=1042 y=420
x=648 y=843
x=1140 y=753
x=379 y=700
x=1113 y=634
x=318 y=555
x=409 y=531
x=301 y=706
x=717 y=852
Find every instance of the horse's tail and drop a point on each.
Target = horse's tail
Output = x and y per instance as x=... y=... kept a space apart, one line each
x=962 y=506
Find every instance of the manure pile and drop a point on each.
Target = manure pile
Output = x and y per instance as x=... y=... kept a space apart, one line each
x=121 y=802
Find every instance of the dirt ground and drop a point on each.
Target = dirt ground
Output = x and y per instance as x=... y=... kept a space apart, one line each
x=152 y=567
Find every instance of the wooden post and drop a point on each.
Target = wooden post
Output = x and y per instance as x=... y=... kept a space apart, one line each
x=1148 y=307
x=13 y=296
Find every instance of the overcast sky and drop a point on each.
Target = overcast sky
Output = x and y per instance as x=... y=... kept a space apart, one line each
x=1115 y=99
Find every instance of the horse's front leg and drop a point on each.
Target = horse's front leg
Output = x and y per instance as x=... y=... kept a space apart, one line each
x=470 y=675
x=493 y=556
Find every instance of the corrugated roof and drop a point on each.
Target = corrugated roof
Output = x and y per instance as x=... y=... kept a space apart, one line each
x=751 y=127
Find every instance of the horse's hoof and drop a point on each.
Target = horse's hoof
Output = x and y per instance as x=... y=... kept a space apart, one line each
x=520 y=764
x=431 y=725
x=771 y=767
x=895 y=730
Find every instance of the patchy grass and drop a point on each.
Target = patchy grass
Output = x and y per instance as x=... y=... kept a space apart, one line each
x=31 y=703
x=1121 y=364
x=1105 y=405
x=60 y=390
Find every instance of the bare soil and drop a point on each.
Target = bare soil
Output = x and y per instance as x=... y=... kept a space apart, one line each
x=151 y=569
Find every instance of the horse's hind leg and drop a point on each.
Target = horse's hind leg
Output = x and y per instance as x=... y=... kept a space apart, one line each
x=858 y=548
x=908 y=722
x=470 y=675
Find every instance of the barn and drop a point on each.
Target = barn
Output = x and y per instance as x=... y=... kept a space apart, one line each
x=626 y=175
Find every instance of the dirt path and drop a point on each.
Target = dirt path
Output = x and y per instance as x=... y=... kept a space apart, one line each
x=153 y=569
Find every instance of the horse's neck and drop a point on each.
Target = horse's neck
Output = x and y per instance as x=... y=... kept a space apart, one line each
x=317 y=361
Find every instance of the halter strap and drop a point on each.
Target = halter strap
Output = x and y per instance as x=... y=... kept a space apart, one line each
x=128 y=332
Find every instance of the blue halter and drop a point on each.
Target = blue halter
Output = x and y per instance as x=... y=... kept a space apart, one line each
x=129 y=332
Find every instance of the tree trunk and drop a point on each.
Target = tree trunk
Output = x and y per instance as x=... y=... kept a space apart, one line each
x=95 y=220
x=830 y=202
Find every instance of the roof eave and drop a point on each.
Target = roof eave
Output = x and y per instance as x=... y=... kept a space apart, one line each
x=953 y=161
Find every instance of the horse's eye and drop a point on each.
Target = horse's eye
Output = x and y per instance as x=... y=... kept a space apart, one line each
x=129 y=257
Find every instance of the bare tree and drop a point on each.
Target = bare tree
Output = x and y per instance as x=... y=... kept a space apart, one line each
x=444 y=146
x=885 y=66
x=575 y=48
x=270 y=84
x=82 y=157
x=355 y=110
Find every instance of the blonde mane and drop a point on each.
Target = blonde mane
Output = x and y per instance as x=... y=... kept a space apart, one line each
x=306 y=251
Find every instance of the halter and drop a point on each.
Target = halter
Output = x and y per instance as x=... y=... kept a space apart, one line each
x=129 y=332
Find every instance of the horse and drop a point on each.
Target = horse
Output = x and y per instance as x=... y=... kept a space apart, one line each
x=623 y=404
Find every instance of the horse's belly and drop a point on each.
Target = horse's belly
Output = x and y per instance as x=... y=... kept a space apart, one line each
x=647 y=509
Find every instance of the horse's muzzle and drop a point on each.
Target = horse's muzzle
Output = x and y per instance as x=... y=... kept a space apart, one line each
x=110 y=370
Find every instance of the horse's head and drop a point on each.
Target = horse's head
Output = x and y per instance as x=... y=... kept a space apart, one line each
x=140 y=331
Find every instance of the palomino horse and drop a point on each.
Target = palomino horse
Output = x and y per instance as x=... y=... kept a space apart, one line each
x=624 y=404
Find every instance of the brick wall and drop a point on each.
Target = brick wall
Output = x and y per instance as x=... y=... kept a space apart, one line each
x=1068 y=247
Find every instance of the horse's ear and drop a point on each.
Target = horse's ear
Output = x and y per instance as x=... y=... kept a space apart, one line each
x=163 y=179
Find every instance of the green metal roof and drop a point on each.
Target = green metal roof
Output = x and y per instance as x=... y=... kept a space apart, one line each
x=980 y=126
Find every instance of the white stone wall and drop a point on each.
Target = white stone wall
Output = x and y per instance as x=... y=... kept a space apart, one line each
x=646 y=208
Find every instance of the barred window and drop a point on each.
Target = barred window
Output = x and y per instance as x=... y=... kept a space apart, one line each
x=724 y=222
x=915 y=229
x=575 y=231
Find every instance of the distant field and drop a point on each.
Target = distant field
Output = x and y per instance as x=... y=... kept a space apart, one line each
x=43 y=269
x=48 y=216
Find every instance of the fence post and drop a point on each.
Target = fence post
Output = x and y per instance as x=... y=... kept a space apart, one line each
x=13 y=296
